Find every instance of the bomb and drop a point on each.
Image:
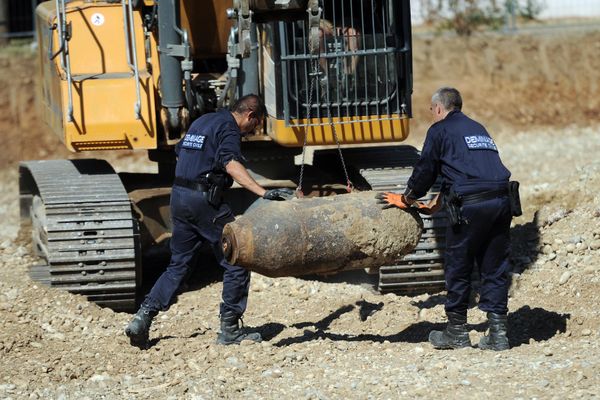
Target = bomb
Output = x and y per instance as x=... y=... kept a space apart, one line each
x=320 y=235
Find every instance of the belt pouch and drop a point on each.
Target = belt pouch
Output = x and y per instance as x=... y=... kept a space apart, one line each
x=515 y=200
x=453 y=205
x=214 y=195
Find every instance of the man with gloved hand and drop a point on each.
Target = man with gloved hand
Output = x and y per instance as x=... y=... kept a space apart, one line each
x=209 y=160
x=476 y=190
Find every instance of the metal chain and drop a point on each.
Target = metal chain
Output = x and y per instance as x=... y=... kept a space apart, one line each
x=349 y=185
x=315 y=66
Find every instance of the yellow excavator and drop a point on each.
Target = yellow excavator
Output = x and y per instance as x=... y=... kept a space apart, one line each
x=336 y=79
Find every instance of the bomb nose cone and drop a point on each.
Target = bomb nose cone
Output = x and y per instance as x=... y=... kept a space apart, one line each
x=227 y=246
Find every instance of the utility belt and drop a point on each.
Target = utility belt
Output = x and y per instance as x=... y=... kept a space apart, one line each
x=214 y=186
x=186 y=183
x=454 y=201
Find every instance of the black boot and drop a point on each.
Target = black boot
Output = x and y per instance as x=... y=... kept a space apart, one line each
x=231 y=333
x=455 y=336
x=496 y=339
x=139 y=327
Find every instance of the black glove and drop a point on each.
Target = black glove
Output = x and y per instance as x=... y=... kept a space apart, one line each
x=279 y=194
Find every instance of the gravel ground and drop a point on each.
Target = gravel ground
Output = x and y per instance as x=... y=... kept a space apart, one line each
x=332 y=339
x=336 y=338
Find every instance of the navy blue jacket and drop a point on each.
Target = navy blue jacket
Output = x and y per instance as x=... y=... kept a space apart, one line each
x=210 y=143
x=463 y=153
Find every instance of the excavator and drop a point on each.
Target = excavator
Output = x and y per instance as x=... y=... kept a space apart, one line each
x=336 y=80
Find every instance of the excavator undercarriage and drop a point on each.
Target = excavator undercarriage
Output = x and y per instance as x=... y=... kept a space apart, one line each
x=83 y=229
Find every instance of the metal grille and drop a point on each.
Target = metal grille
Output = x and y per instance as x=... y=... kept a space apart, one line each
x=17 y=18
x=359 y=71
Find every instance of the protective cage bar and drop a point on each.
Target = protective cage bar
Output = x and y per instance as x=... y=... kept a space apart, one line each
x=363 y=68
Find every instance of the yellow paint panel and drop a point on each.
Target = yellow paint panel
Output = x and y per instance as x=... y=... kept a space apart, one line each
x=100 y=48
x=349 y=131
x=103 y=85
x=207 y=25
x=104 y=117
x=97 y=42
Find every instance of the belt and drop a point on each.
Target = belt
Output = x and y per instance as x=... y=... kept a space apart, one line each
x=483 y=196
x=186 y=183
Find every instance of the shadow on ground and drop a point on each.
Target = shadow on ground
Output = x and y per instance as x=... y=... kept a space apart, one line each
x=525 y=324
x=525 y=241
x=536 y=324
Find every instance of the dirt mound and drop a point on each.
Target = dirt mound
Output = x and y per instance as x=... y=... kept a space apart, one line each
x=511 y=83
x=25 y=135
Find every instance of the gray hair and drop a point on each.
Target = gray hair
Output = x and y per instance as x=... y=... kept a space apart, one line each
x=448 y=97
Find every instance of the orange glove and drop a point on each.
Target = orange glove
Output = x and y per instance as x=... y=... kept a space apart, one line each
x=389 y=200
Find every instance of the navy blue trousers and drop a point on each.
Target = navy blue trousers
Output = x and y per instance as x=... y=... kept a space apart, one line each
x=485 y=239
x=195 y=221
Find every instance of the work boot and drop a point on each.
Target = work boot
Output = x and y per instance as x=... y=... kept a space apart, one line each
x=455 y=336
x=231 y=333
x=139 y=327
x=496 y=339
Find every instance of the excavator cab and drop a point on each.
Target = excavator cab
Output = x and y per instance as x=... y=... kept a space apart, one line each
x=357 y=40
x=354 y=74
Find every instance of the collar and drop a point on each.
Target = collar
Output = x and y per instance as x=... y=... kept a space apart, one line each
x=229 y=115
x=453 y=112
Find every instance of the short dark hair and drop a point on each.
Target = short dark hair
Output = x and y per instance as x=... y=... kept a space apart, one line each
x=249 y=102
x=448 y=97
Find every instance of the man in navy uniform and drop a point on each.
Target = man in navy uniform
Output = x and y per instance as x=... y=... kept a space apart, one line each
x=209 y=157
x=475 y=187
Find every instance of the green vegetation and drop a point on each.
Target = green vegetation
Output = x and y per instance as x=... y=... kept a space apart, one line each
x=466 y=17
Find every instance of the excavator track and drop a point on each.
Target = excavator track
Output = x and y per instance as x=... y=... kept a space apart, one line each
x=423 y=270
x=83 y=228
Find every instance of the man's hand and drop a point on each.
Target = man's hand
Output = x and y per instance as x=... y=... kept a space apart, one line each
x=389 y=200
x=279 y=194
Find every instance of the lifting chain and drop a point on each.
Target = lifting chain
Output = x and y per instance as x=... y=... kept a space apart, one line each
x=315 y=73
x=349 y=185
x=315 y=69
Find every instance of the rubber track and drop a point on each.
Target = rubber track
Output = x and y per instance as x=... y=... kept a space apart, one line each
x=83 y=228
x=422 y=270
